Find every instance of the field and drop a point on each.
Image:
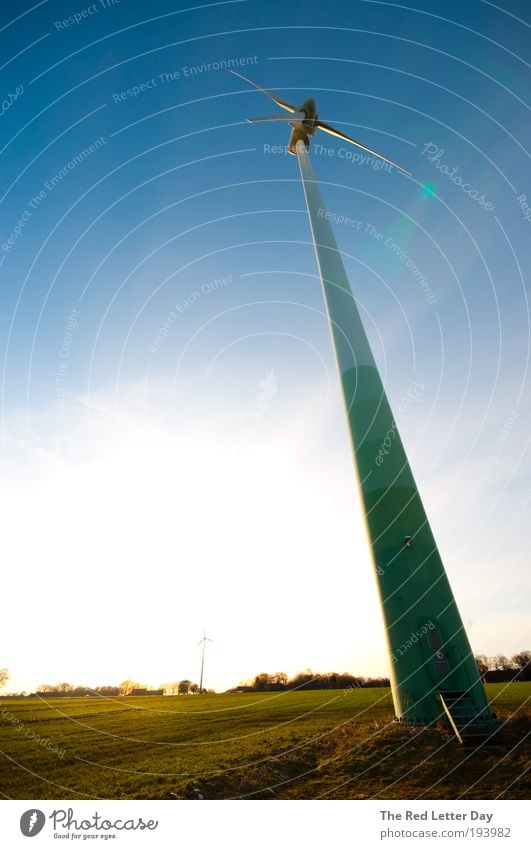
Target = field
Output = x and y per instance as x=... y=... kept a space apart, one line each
x=331 y=744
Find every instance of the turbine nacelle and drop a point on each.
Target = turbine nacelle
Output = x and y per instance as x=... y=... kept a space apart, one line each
x=305 y=122
x=305 y=127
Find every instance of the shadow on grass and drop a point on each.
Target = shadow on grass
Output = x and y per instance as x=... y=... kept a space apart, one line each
x=384 y=761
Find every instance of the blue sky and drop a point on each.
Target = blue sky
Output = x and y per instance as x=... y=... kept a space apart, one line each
x=173 y=438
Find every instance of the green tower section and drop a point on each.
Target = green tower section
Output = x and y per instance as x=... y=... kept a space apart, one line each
x=430 y=654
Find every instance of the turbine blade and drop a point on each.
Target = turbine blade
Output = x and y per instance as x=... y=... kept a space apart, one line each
x=282 y=103
x=297 y=116
x=333 y=132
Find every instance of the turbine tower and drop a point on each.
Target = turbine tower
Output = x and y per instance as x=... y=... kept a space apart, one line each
x=432 y=668
x=204 y=639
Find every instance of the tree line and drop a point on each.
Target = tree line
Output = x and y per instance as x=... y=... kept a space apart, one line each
x=496 y=668
x=307 y=680
x=128 y=687
x=499 y=668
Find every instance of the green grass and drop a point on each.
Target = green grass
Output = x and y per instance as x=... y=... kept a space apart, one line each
x=304 y=745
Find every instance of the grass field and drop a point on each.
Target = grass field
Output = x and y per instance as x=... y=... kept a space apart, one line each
x=331 y=744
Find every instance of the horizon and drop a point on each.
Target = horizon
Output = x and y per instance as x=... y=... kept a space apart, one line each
x=248 y=683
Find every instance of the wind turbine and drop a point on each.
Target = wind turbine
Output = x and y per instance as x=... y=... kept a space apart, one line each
x=305 y=123
x=204 y=639
x=432 y=669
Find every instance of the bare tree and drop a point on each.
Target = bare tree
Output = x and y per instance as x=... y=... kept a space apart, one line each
x=128 y=685
x=184 y=687
x=107 y=690
x=522 y=660
x=482 y=663
x=4 y=677
x=170 y=689
x=500 y=661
